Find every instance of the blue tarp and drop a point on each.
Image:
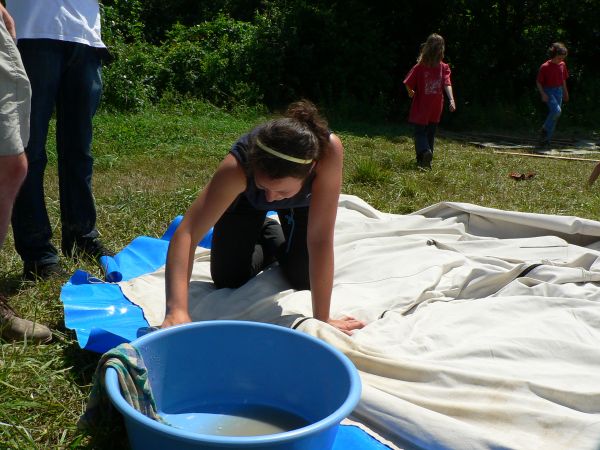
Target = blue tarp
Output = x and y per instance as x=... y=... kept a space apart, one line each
x=97 y=310
x=350 y=437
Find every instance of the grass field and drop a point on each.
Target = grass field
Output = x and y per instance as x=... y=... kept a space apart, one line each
x=149 y=168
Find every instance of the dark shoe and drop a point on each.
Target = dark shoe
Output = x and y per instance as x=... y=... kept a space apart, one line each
x=33 y=271
x=424 y=160
x=88 y=248
x=13 y=328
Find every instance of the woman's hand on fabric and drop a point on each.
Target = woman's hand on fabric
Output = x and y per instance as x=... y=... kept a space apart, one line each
x=346 y=324
x=176 y=318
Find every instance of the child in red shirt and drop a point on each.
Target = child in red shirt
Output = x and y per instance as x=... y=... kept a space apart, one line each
x=552 y=84
x=425 y=84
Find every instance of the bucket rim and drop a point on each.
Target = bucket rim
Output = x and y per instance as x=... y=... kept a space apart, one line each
x=332 y=420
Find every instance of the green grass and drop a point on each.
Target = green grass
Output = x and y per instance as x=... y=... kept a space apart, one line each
x=149 y=168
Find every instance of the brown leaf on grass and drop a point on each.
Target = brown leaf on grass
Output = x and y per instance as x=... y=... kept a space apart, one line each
x=521 y=176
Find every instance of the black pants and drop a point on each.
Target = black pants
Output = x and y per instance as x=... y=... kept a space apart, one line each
x=424 y=138
x=243 y=243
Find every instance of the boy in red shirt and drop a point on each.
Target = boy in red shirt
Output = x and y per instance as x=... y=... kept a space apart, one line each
x=425 y=84
x=552 y=85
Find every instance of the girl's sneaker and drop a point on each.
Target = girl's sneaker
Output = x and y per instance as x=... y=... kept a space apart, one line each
x=424 y=160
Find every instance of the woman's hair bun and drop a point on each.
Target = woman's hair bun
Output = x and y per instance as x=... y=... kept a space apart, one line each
x=305 y=111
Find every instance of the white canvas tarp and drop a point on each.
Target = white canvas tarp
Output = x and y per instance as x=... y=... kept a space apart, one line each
x=483 y=326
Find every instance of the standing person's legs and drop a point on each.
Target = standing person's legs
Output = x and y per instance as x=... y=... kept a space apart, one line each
x=78 y=99
x=422 y=148
x=554 y=110
x=15 y=107
x=15 y=98
x=13 y=169
x=236 y=253
x=431 y=129
x=293 y=257
x=42 y=59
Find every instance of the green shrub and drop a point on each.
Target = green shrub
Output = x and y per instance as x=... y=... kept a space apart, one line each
x=130 y=80
x=211 y=61
x=350 y=56
x=122 y=21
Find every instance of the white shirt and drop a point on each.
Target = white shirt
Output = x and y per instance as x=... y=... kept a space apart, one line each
x=63 y=20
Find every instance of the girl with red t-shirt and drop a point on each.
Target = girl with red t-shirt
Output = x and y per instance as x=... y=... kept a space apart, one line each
x=425 y=84
x=552 y=85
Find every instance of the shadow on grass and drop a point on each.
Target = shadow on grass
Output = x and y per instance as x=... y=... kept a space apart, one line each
x=83 y=363
x=10 y=283
x=394 y=133
x=111 y=434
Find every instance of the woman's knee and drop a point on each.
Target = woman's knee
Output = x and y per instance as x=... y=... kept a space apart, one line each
x=228 y=278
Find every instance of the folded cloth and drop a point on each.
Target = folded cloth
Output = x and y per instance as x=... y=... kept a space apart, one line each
x=134 y=383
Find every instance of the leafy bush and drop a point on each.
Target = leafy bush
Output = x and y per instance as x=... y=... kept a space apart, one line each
x=130 y=81
x=122 y=21
x=350 y=56
x=211 y=61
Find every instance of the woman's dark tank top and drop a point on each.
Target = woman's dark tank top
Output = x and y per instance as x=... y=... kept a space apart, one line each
x=256 y=196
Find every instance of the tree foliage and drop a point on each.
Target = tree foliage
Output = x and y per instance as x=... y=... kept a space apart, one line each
x=350 y=54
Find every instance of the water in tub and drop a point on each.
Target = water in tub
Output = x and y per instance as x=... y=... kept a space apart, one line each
x=237 y=420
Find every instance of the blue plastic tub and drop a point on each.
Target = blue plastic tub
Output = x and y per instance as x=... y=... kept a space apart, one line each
x=211 y=378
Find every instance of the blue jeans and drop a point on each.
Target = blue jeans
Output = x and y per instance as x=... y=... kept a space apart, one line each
x=424 y=138
x=555 y=95
x=66 y=75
